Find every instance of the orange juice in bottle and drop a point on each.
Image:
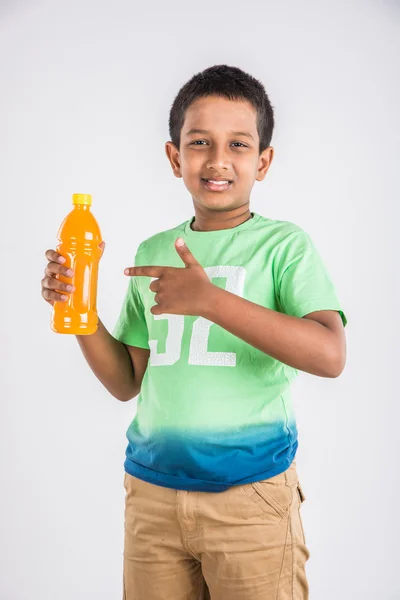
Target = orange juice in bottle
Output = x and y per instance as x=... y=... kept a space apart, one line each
x=79 y=237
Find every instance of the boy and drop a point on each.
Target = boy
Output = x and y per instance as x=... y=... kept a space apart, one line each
x=211 y=335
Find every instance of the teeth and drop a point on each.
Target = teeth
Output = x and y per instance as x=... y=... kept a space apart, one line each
x=217 y=182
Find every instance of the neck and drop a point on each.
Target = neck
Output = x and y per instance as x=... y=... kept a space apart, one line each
x=216 y=220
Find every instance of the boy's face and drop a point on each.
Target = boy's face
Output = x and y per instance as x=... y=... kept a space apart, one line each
x=219 y=153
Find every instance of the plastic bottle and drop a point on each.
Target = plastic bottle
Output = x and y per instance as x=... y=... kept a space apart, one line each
x=79 y=236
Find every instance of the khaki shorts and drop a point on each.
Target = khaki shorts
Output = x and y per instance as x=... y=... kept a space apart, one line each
x=246 y=543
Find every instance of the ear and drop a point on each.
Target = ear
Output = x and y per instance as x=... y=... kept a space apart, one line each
x=264 y=162
x=172 y=153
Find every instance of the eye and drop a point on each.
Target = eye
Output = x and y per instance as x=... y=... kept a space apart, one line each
x=200 y=141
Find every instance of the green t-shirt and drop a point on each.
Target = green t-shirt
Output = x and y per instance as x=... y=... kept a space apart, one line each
x=214 y=411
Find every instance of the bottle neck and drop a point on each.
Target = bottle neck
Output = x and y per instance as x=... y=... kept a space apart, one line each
x=82 y=207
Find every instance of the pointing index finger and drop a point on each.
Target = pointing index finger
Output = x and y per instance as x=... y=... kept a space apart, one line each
x=147 y=271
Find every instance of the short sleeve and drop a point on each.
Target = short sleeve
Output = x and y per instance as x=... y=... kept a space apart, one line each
x=303 y=282
x=131 y=327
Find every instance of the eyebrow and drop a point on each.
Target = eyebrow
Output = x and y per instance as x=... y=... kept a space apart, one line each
x=244 y=133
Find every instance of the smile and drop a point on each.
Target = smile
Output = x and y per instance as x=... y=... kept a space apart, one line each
x=217 y=186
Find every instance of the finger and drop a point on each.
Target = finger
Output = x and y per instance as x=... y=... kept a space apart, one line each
x=146 y=271
x=52 y=296
x=185 y=253
x=157 y=310
x=102 y=246
x=55 y=269
x=54 y=256
x=51 y=283
x=154 y=285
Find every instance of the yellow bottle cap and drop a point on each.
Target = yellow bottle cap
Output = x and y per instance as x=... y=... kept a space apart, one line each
x=82 y=199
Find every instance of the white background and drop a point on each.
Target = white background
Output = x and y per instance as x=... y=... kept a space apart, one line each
x=86 y=88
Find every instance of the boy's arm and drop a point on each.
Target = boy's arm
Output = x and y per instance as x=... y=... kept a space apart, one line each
x=315 y=343
x=120 y=368
x=111 y=362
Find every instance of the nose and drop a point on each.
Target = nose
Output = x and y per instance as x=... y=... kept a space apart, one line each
x=218 y=159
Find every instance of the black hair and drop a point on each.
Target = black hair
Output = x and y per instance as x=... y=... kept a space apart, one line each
x=226 y=82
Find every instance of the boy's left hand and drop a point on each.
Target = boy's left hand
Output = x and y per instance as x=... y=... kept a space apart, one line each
x=179 y=291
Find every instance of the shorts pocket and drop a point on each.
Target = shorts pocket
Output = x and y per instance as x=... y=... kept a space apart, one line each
x=275 y=501
x=301 y=493
x=298 y=521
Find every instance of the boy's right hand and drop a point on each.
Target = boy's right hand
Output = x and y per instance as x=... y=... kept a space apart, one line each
x=50 y=283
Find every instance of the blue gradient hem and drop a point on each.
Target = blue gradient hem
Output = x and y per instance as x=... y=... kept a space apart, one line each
x=199 y=485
